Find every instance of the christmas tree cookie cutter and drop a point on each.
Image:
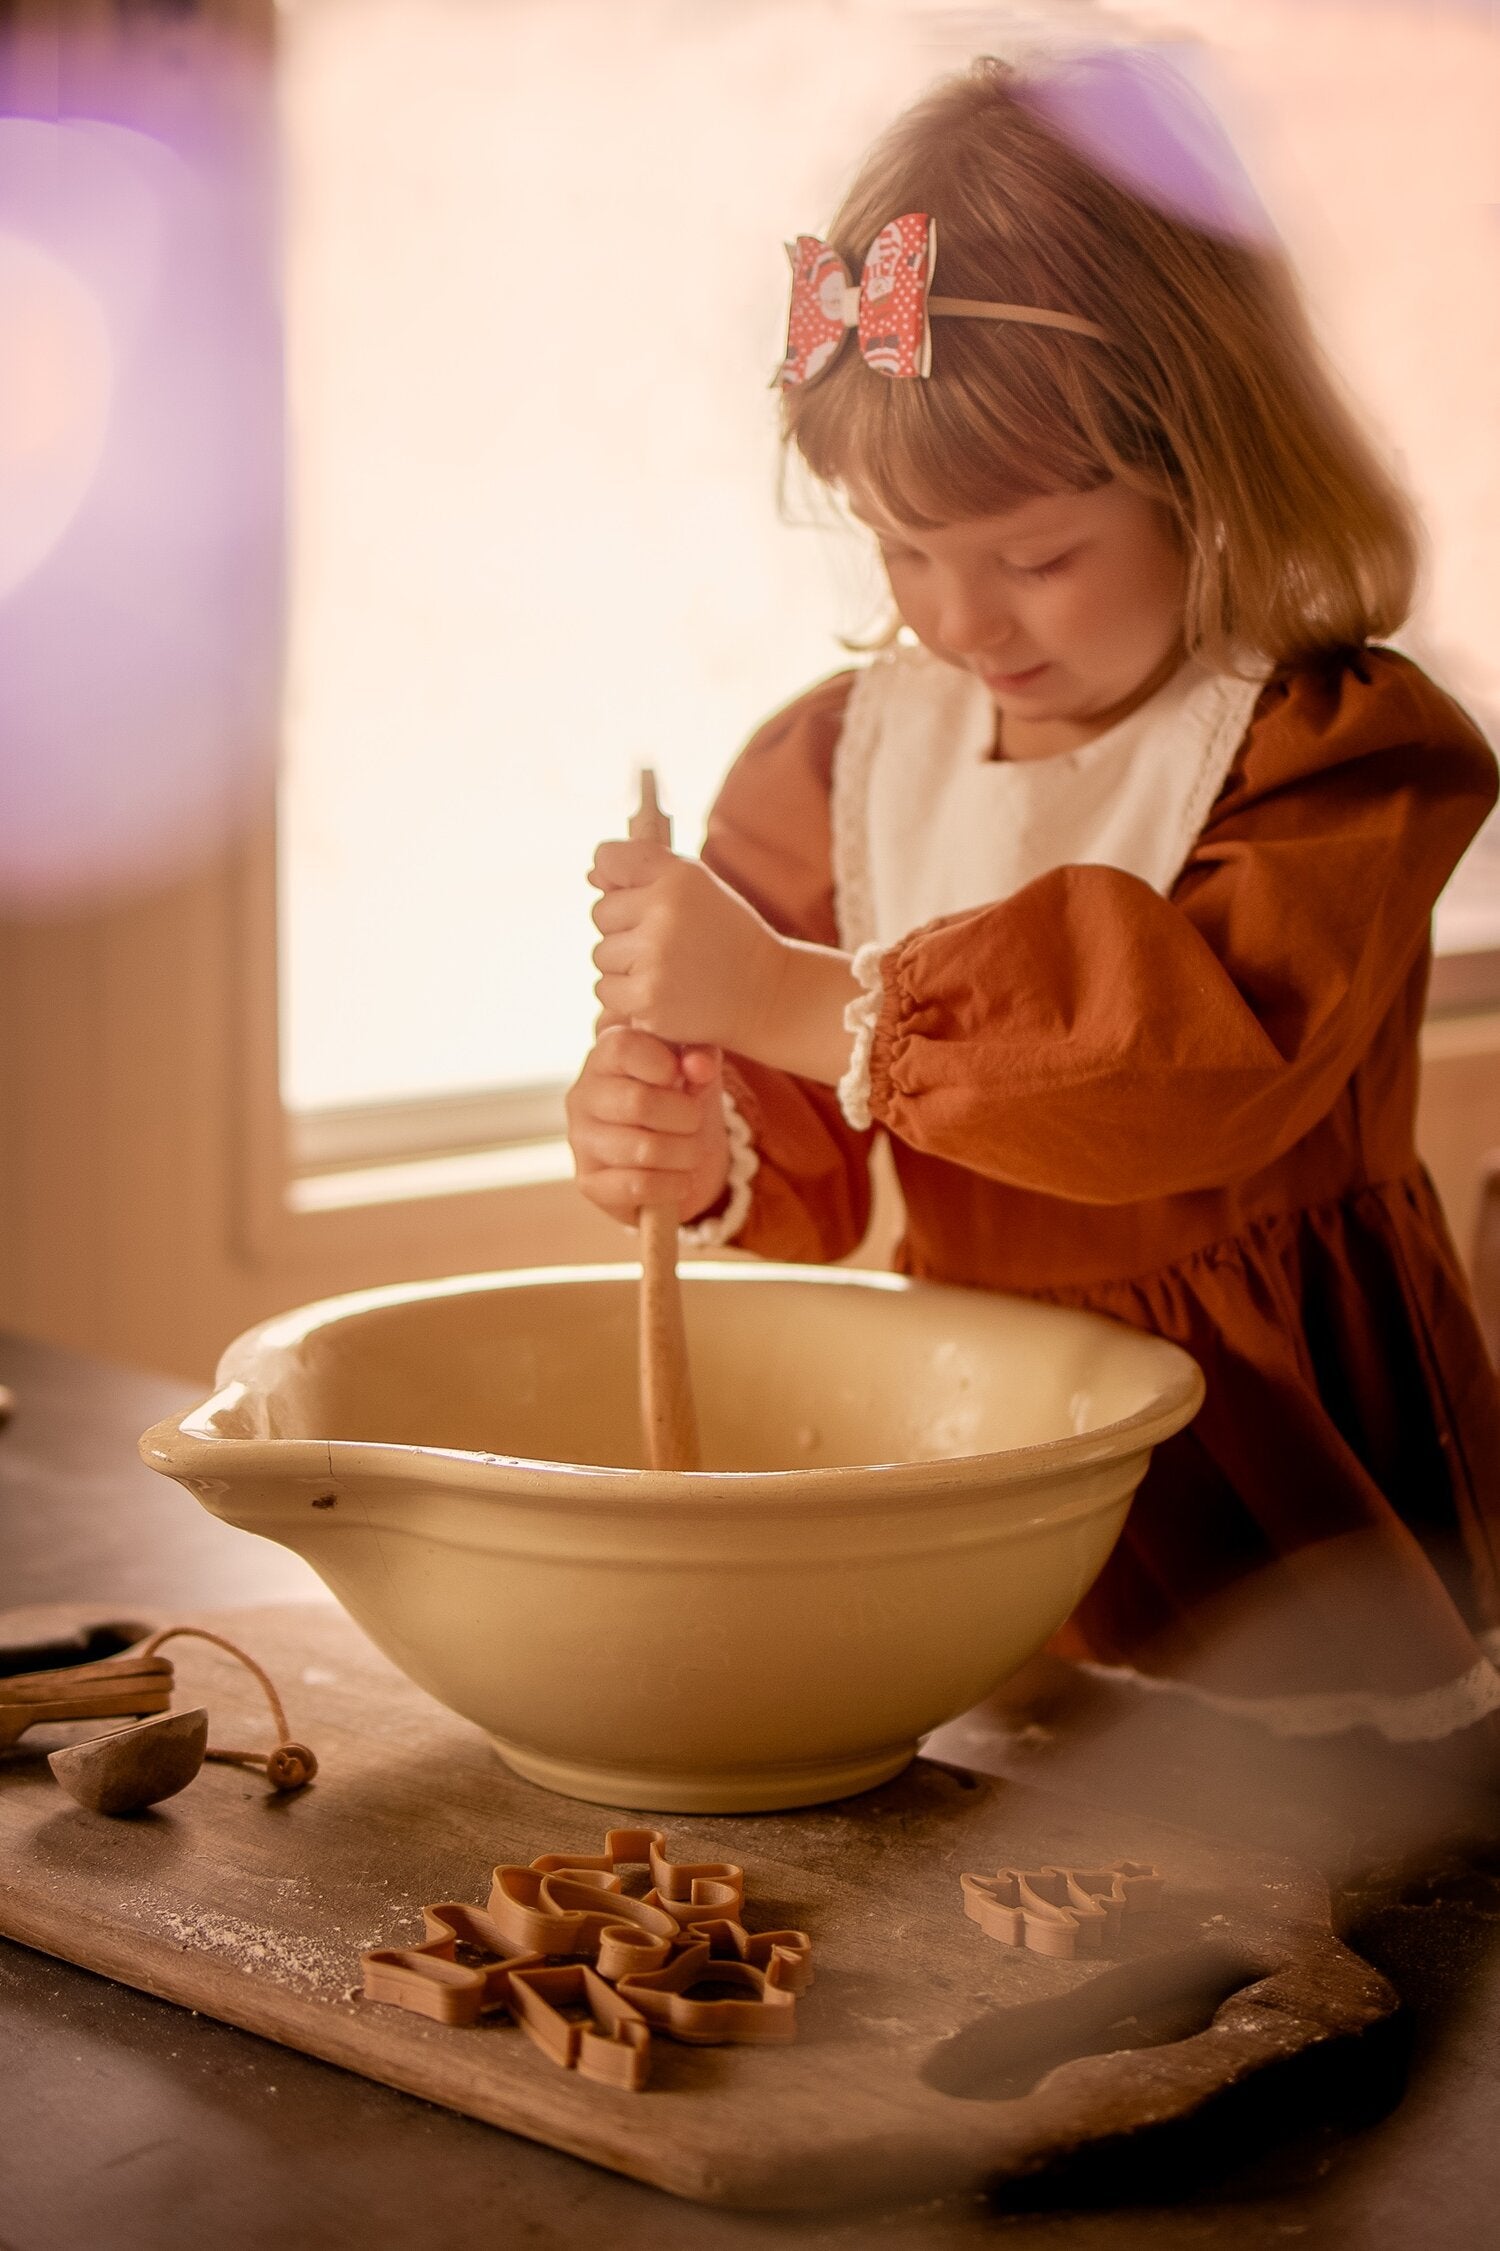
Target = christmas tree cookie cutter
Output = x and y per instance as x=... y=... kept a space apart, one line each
x=612 y=2047
x=1061 y=1912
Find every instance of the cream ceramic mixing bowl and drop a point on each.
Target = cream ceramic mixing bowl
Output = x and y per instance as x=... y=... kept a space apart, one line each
x=908 y=1487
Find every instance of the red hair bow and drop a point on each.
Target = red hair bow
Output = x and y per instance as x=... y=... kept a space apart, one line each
x=890 y=308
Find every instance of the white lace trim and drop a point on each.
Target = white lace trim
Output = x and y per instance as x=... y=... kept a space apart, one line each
x=1422 y=1717
x=861 y=1017
x=744 y=1164
x=853 y=906
x=1236 y=698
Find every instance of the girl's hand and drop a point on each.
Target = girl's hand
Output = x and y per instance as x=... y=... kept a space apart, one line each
x=681 y=954
x=647 y=1125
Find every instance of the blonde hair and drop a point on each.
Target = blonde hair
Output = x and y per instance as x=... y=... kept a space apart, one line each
x=1211 y=396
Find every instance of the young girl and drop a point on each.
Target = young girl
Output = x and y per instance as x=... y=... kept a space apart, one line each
x=1105 y=895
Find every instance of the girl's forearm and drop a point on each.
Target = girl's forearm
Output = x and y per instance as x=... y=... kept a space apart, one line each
x=798 y=1023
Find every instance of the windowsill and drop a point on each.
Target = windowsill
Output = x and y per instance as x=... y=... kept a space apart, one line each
x=526 y=1164
x=1450 y=1030
x=1463 y=983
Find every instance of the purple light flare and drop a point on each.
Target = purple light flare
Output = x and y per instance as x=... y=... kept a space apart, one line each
x=140 y=502
x=1133 y=115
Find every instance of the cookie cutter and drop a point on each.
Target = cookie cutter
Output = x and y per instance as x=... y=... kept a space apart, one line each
x=581 y=1911
x=109 y=1688
x=1061 y=1912
x=664 y=1999
x=784 y=1956
x=460 y=1973
x=689 y=1891
x=635 y=1961
x=612 y=2047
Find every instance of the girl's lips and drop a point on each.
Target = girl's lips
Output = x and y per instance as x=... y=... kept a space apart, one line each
x=1009 y=680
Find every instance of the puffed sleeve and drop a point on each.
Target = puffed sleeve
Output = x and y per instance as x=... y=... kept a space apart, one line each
x=1090 y=1039
x=768 y=836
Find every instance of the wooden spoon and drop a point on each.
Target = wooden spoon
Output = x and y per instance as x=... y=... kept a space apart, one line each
x=668 y=1421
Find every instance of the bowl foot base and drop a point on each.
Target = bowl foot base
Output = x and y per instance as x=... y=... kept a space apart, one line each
x=761 y=1789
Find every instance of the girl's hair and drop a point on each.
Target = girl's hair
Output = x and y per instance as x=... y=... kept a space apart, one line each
x=1211 y=397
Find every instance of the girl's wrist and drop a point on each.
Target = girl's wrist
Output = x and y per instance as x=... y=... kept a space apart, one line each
x=796 y=1020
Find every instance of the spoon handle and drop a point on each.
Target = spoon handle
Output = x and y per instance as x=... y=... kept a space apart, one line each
x=668 y=1422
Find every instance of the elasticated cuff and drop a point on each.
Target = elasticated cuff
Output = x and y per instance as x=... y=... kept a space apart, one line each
x=860 y=1020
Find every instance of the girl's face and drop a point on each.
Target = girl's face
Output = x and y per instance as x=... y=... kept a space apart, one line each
x=1069 y=607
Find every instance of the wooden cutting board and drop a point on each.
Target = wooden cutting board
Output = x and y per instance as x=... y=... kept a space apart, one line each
x=929 y=2058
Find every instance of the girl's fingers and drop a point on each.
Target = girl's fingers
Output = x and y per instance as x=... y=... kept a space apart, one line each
x=627 y=1102
x=625 y=1194
x=618 y=910
x=621 y=1051
x=623 y=1148
x=617 y=954
x=627 y=862
x=620 y=996
x=645 y=1124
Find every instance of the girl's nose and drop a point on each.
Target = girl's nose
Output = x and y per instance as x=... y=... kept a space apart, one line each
x=972 y=620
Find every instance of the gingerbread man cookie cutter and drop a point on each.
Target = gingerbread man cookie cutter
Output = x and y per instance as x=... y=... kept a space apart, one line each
x=1061 y=1912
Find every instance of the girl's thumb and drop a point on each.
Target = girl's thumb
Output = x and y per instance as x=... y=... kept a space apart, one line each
x=701 y=1066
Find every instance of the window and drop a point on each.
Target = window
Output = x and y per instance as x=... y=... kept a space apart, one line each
x=534 y=296
x=144 y=1205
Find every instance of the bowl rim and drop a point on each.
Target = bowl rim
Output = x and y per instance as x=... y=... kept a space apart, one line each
x=183 y=1445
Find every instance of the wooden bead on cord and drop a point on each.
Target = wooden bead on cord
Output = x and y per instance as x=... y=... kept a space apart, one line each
x=289 y=1765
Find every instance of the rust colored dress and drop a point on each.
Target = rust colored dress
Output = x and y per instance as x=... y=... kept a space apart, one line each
x=1194 y=1113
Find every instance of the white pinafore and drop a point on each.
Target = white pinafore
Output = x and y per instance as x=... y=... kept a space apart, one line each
x=928 y=822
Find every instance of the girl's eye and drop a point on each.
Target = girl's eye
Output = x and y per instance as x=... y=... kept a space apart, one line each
x=1048 y=569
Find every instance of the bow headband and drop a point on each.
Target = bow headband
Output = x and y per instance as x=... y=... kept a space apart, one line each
x=890 y=308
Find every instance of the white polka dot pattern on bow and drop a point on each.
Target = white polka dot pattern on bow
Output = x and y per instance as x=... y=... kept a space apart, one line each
x=894 y=334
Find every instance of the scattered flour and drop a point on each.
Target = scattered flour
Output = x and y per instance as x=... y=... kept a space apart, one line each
x=313 y=1965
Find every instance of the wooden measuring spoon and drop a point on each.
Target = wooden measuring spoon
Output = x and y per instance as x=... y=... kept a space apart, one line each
x=668 y=1421
x=133 y=1767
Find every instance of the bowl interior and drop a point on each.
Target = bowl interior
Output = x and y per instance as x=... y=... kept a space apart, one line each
x=791 y=1370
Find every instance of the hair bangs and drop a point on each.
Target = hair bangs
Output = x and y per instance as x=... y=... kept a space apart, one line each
x=998 y=429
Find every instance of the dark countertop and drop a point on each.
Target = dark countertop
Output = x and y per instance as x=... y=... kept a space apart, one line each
x=137 y=2125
